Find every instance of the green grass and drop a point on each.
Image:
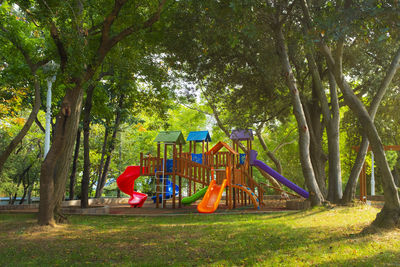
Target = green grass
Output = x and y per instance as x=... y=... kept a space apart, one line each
x=315 y=237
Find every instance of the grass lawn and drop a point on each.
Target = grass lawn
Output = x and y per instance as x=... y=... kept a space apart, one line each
x=314 y=237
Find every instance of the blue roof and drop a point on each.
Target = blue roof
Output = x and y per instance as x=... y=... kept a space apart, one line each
x=199 y=136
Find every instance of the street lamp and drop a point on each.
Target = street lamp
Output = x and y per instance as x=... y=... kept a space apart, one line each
x=51 y=69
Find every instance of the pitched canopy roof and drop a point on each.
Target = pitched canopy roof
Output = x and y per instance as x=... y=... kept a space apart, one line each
x=220 y=145
x=241 y=135
x=175 y=137
x=199 y=136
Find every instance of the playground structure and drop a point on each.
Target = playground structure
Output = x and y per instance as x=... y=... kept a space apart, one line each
x=209 y=174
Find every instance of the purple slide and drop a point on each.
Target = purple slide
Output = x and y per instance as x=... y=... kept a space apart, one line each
x=258 y=163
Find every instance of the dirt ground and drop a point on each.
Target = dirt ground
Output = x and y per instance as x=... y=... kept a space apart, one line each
x=150 y=208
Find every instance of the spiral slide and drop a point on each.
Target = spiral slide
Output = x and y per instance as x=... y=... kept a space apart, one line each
x=126 y=183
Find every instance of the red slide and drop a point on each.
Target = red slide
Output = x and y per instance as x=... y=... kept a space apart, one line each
x=126 y=183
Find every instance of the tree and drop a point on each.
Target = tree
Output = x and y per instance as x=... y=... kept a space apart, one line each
x=390 y=213
x=16 y=32
x=82 y=34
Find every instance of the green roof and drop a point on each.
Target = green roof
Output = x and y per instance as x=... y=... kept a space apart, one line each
x=170 y=137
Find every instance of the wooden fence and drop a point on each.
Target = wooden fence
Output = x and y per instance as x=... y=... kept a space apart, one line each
x=192 y=171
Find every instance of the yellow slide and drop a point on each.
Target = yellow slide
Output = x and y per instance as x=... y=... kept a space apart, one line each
x=212 y=197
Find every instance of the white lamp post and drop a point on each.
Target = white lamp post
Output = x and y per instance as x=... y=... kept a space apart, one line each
x=51 y=66
x=372 y=175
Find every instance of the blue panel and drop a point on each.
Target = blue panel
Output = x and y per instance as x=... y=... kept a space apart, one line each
x=242 y=158
x=197 y=158
x=170 y=163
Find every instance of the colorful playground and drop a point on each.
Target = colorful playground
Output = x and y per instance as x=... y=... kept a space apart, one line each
x=217 y=177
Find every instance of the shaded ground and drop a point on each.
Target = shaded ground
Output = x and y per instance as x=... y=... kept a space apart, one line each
x=149 y=208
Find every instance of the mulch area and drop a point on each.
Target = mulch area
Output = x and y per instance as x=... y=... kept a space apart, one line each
x=149 y=208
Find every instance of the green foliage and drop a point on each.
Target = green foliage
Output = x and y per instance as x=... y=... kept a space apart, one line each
x=27 y=155
x=223 y=48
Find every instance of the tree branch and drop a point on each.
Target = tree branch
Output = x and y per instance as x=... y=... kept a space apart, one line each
x=39 y=124
x=147 y=24
x=109 y=20
x=196 y=109
x=60 y=46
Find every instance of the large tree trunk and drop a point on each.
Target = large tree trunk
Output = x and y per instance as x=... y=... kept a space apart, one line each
x=72 y=178
x=331 y=119
x=332 y=130
x=304 y=135
x=317 y=155
x=351 y=186
x=56 y=165
x=32 y=116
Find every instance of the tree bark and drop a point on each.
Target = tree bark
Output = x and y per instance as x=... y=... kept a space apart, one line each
x=304 y=135
x=72 y=178
x=351 y=186
x=56 y=164
x=331 y=120
x=318 y=158
x=332 y=130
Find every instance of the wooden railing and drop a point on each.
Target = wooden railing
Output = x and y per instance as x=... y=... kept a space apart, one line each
x=193 y=171
x=150 y=165
x=241 y=176
x=219 y=160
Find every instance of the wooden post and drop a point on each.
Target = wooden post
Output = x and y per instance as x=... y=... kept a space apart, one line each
x=180 y=179
x=174 y=156
x=164 y=201
x=248 y=156
x=157 y=177
x=190 y=170
x=141 y=163
x=229 y=177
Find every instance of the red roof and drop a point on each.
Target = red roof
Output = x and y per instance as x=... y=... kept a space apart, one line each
x=220 y=145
